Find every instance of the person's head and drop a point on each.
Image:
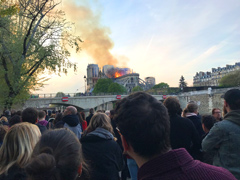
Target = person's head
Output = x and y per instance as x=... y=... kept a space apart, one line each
x=144 y=125
x=41 y=115
x=107 y=112
x=14 y=120
x=19 y=113
x=83 y=115
x=58 y=118
x=30 y=115
x=232 y=100
x=57 y=156
x=91 y=111
x=80 y=118
x=216 y=113
x=18 y=145
x=7 y=113
x=172 y=104
x=207 y=122
x=70 y=110
x=184 y=112
x=192 y=107
x=112 y=112
x=100 y=120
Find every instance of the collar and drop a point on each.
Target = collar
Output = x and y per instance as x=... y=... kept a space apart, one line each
x=165 y=163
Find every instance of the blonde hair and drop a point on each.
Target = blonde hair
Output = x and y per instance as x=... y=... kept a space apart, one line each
x=100 y=120
x=4 y=119
x=18 y=145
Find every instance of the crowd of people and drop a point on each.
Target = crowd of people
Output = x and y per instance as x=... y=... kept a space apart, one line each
x=141 y=138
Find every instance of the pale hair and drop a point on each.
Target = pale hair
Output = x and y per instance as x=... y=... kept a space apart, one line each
x=100 y=120
x=18 y=145
x=4 y=119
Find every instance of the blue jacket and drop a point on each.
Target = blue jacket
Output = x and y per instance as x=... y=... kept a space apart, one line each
x=223 y=141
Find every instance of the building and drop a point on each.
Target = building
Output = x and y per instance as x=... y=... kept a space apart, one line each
x=150 y=81
x=212 y=78
x=92 y=76
x=122 y=76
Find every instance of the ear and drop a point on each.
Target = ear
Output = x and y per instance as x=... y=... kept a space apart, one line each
x=225 y=104
x=124 y=144
x=36 y=121
x=80 y=170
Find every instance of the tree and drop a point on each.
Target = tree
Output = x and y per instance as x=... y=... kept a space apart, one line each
x=60 y=94
x=182 y=82
x=161 y=86
x=102 y=86
x=116 y=88
x=34 y=40
x=7 y=9
x=230 y=80
x=137 y=88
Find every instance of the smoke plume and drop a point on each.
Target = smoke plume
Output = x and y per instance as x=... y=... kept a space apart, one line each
x=97 y=42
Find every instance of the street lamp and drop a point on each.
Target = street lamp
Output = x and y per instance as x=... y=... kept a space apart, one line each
x=85 y=79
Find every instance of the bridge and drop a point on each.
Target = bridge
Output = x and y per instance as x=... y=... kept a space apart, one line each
x=80 y=102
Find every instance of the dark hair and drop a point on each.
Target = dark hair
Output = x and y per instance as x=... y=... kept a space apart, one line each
x=208 y=121
x=112 y=112
x=56 y=156
x=172 y=104
x=83 y=115
x=29 y=115
x=144 y=122
x=19 y=113
x=80 y=118
x=14 y=120
x=192 y=107
x=58 y=118
x=91 y=111
x=41 y=114
x=214 y=109
x=232 y=97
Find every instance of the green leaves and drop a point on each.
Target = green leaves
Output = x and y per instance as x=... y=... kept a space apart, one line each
x=32 y=41
x=230 y=80
x=108 y=86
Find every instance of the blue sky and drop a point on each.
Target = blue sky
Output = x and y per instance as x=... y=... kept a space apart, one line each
x=164 y=39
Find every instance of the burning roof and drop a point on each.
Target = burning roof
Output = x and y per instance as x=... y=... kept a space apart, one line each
x=117 y=72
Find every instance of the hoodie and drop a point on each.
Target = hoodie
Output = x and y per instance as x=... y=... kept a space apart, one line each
x=233 y=116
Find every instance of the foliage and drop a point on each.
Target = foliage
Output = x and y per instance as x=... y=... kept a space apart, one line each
x=60 y=94
x=34 y=40
x=182 y=82
x=230 y=80
x=161 y=86
x=7 y=9
x=137 y=88
x=116 y=88
x=102 y=85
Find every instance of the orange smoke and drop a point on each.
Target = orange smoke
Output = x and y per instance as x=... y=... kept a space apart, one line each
x=97 y=42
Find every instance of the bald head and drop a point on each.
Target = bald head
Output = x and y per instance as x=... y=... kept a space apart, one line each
x=70 y=110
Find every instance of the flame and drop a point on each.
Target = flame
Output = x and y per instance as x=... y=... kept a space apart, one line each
x=117 y=74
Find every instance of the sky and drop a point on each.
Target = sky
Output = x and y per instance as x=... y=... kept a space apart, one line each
x=163 y=39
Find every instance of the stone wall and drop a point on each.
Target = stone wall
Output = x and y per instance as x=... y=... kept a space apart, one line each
x=205 y=99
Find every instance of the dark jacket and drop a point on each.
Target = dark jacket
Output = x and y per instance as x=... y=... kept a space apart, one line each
x=183 y=134
x=197 y=123
x=89 y=118
x=41 y=128
x=103 y=154
x=14 y=173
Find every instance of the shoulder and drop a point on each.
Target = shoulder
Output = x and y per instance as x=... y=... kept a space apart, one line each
x=215 y=172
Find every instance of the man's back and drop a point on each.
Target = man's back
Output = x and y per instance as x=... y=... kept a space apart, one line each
x=179 y=165
x=224 y=141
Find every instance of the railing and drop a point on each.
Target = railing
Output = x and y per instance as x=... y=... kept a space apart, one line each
x=56 y=95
